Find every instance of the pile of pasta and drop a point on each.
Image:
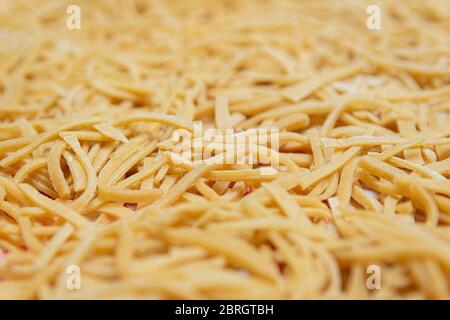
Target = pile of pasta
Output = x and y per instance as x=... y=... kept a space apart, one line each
x=86 y=118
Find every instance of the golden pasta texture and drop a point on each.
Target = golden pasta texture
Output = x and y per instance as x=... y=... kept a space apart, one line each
x=350 y=201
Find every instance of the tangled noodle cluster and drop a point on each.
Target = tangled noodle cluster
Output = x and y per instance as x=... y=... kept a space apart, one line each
x=90 y=180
